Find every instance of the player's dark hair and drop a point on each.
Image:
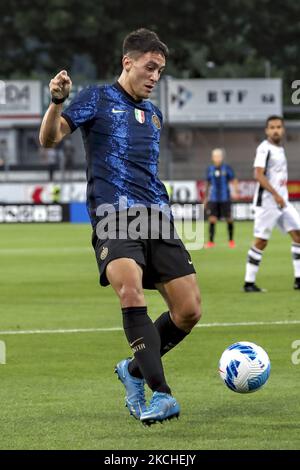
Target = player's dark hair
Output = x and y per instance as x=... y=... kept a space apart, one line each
x=273 y=118
x=143 y=40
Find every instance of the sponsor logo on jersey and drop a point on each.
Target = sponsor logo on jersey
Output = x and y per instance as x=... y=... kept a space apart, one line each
x=139 y=116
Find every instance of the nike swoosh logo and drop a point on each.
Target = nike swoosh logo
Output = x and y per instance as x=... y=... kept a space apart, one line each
x=190 y=262
x=119 y=110
x=135 y=341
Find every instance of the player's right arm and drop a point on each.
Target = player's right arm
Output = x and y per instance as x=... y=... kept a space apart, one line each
x=54 y=127
x=206 y=194
x=207 y=188
x=259 y=174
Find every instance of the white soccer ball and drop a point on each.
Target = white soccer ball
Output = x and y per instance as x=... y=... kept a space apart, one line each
x=244 y=367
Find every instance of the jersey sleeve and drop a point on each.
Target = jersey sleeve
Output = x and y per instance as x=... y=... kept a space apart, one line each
x=82 y=108
x=260 y=157
x=230 y=173
x=208 y=175
x=159 y=113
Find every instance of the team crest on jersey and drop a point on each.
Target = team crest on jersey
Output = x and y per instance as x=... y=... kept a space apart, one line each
x=104 y=253
x=156 y=121
x=139 y=116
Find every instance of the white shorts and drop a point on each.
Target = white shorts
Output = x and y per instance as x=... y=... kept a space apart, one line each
x=266 y=218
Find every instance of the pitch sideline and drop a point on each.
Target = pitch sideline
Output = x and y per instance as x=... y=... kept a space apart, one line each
x=118 y=328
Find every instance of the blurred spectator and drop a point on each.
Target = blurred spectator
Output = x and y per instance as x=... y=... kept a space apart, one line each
x=3 y=152
x=56 y=193
x=181 y=142
x=50 y=157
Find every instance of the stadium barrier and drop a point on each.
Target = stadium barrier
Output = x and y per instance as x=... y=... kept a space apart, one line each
x=65 y=201
x=75 y=212
x=34 y=213
x=64 y=192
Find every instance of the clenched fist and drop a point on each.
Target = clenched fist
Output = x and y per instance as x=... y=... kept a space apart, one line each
x=60 y=86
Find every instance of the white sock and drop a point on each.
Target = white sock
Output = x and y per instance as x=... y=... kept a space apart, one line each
x=296 y=258
x=253 y=262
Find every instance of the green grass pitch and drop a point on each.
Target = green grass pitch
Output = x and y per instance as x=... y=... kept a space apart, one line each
x=58 y=391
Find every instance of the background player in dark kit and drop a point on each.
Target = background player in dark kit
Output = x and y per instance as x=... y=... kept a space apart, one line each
x=121 y=132
x=217 y=195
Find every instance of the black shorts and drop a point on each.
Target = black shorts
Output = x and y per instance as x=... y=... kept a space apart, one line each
x=161 y=259
x=221 y=210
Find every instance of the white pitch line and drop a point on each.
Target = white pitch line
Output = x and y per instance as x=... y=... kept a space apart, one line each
x=60 y=331
x=37 y=251
x=250 y=323
x=118 y=328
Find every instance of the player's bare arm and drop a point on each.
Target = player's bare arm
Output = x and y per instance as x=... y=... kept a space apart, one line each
x=263 y=181
x=206 y=193
x=54 y=127
x=236 y=191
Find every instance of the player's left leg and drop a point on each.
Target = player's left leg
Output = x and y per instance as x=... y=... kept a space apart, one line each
x=183 y=314
x=254 y=259
x=185 y=310
x=212 y=222
x=264 y=221
x=290 y=222
x=295 y=249
x=171 y=271
x=212 y=212
x=230 y=228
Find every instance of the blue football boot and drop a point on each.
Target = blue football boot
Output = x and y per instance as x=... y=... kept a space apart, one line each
x=135 y=393
x=162 y=407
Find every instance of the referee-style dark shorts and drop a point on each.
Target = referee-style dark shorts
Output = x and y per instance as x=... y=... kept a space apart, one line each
x=161 y=259
x=221 y=210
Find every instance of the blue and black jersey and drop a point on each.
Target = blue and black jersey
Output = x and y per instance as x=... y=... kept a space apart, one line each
x=121 y=138
x=219 y=177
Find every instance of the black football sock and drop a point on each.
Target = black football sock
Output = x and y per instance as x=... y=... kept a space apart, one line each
x=230 y=230
x=170 y=336
x=212 y=229
x=144 y=341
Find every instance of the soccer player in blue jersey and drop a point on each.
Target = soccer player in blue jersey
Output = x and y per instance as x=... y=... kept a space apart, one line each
x=121 y=131
x=217 y=196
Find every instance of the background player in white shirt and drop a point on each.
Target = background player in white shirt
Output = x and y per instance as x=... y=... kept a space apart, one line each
x=271 y=203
